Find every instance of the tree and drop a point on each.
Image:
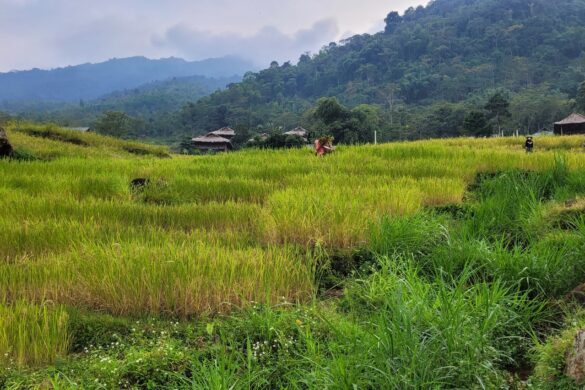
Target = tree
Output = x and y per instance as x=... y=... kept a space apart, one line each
x=498 y=109
x=537 y=108
x=389 y=93
x=329 y=110
x=366 y=121
x=392 y=21
x=581 y=97
x=186 y=145
x=114 y=123
x=242 y=136
x=219 y=119
x=279 y=141
x=444 y=120
x=477 y=124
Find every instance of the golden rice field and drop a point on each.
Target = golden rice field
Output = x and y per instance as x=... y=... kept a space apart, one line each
x=208 y=233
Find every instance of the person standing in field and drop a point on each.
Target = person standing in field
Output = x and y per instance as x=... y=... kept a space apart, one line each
x=529 y=144
x=323 y=146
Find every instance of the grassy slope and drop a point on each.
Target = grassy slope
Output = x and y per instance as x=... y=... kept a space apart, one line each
x=211 y=234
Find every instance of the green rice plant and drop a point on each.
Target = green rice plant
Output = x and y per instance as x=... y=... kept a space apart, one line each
x=334 y=215
x=506 y=203
x=32 y=334
x=451 y=304
x=440 y=333
x=52 y=141
x=172 y=279
x=408 y=236
x=548 y=268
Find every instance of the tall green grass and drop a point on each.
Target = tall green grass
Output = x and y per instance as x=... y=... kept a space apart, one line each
x=32 y=334
x=212 y=234
x=446 y=332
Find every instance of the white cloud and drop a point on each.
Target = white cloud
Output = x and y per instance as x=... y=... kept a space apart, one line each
x=268 y=44
x=49 y=33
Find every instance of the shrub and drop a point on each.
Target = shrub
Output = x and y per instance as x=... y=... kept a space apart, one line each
x=90 y=330
x=550 y=356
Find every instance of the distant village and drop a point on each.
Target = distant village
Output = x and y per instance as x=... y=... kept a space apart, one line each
x=221 y=140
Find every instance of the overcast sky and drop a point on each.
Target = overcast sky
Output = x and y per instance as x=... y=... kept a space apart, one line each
x=52 y=33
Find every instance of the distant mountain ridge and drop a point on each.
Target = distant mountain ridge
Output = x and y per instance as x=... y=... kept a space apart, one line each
x=150 y=103
x=91 y=81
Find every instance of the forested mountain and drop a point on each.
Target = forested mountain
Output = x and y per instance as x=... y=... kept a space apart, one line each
x=426 y=72
x=151 y=105
x=91 y=81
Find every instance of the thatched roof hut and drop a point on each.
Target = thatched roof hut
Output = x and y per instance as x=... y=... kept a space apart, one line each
x=225 y=132
x=573 y=124
x=212 y=141
x=299 y=131
x=80 y=129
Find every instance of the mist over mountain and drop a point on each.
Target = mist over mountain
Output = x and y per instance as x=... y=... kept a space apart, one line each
x=90 y=81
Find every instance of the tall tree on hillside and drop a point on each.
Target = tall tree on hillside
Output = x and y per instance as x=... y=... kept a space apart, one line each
x=366 y=122
x=477 y=124
x=498 y=109
x=389 y=93
x=114 y=123
x=347 y=126
x=329 y=110
x=392 y=21
x=537 y=108
x=581 y=97
x=443 y=120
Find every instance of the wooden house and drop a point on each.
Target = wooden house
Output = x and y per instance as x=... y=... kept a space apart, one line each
x=225 y=132
x=573 y=124
x=213 y=142
x=299 y=132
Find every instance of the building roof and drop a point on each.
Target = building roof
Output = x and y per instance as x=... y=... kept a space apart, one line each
x=224 y=132
x=211 y=139
x=82 y=129
x=298 y=131
x=573 y=119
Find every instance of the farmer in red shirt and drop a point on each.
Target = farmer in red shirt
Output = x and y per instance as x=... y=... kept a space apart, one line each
x=323 y=146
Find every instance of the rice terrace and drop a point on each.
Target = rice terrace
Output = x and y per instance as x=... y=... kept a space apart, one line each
x=414 y=264
x=301 y=194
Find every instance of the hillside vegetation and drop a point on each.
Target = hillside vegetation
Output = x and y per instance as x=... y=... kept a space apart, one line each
x=149 y=107
x=431 y=264
x=91 y=81
x=425 y=72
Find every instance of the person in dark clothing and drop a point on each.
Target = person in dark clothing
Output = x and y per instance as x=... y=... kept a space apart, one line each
x=529 y=145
